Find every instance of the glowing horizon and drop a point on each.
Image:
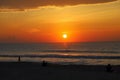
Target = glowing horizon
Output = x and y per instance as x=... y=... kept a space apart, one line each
x=81 y=22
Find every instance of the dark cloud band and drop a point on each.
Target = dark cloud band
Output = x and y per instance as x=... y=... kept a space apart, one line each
x=28 y=4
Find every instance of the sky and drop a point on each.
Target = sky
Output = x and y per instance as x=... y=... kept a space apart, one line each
x=29 y=21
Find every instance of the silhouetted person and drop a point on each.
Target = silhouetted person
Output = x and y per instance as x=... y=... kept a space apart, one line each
x=109 y=68
x=19 y=60
x=44 y=63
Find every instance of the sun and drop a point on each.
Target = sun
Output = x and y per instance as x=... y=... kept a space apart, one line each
x=65 y=36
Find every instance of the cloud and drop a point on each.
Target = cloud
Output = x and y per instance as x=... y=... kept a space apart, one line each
x=30 y=4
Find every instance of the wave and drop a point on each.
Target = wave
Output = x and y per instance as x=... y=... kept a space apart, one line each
x=61 y=50
x=78 y=51
x=63 y=56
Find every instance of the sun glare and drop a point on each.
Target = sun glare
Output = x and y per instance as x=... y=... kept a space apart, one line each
x=65 y=36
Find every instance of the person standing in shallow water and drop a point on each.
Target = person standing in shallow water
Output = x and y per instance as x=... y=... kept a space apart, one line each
x=19 y=59
x=109 y=68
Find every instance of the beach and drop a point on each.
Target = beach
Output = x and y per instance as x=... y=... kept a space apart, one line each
x=35 y=71
x=59 y=40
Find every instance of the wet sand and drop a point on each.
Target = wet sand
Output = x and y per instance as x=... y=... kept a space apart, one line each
x=35 y=71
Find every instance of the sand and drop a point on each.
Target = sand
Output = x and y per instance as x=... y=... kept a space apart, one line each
x=34 y=71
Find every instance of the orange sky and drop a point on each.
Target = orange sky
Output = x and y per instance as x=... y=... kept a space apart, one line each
x=82 y=23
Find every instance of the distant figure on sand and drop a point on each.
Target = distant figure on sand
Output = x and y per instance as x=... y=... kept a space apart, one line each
x=44 y=63
x=109 y=68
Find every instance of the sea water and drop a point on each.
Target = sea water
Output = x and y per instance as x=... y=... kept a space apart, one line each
x=86 y=53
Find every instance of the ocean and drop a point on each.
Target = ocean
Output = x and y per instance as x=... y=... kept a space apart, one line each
x=86 y=53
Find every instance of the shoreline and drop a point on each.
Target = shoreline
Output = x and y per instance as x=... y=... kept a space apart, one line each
x=78 y=66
